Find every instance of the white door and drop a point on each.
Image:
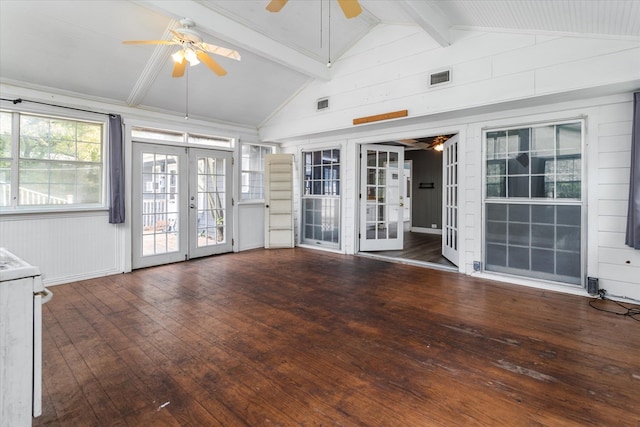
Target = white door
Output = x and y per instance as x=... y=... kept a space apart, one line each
x=450 y=202
x=210 y=201
x=381 y=198
x=278 y=197
x=181 y=203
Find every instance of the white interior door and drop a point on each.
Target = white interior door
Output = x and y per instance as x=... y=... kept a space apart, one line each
x=182 y=205
x=278 y=195
x=381 y=198
x=450 y=202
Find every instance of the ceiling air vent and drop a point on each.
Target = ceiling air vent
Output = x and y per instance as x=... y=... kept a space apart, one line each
x=439 y=78
x=322 y=104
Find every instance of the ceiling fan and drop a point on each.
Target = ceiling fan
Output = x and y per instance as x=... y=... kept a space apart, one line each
x=350 y=8
x=193 y=49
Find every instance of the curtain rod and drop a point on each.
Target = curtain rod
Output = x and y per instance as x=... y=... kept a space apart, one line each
x=20 y=100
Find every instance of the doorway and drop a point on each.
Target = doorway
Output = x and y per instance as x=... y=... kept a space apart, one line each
x=431 y=235
x=182 y=203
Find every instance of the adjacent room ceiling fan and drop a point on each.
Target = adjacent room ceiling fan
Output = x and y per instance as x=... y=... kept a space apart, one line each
x=350 y=8
x=193 y=49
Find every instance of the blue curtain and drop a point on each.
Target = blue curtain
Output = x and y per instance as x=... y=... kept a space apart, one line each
x=116 y=170
x=633 y=217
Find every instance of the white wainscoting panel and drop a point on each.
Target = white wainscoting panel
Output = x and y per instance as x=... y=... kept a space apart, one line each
x=65 y=246
x=251 y=226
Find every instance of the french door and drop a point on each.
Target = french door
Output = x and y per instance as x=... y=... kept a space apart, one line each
x=381 y=200
x=181 y=203
x=450 y=200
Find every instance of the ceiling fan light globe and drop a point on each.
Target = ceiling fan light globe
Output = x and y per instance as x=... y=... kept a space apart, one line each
x=191 y=57
x=178 y=56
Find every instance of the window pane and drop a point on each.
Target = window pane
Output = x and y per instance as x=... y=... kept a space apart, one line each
x=518 y=186
x=5 y=134
x=156 y=134
x=569 y=139
x=5 y=183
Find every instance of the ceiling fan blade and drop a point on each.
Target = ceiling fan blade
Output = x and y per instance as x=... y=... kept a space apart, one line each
x=276 y=5
x=350 y=8
x=215 y=67
x=148 y=42
x=178 y=68
x=222 y=51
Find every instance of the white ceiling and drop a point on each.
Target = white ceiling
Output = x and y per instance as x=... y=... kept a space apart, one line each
x=74 y=47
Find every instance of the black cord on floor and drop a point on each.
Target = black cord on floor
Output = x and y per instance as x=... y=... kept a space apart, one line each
x=629 y=312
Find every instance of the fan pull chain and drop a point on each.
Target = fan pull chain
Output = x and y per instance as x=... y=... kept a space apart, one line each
x=321 y=1
x=186 y=114
x=329 y=63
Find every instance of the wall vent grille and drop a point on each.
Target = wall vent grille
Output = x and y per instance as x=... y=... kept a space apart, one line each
x=322 y=104
x=440 y=77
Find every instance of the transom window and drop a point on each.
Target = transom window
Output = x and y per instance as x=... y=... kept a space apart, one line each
x=50 y=161
x=533 y=201
x=153 y=135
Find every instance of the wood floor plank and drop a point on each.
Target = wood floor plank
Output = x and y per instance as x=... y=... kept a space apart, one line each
x=300 y=337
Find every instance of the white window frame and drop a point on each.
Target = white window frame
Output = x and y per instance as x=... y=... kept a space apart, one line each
x=242 y=170
x=303 y=197
x=582 y=202
x=14 y=160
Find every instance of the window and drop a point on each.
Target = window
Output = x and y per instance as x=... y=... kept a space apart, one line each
x=533 y=202
x=321 y=197
x=154 y=135
x=49 y=161
x=253 y=170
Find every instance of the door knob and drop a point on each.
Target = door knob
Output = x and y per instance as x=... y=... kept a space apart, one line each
x=192 y=206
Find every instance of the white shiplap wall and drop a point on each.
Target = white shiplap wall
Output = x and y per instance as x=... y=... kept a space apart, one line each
x=618 y=264
x=499 y=79
x=607 y=153
x=388 y=71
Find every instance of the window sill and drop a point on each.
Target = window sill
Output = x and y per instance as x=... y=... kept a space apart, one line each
x=39 y=211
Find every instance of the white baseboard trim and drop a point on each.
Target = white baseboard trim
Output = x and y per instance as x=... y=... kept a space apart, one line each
x=426 y=230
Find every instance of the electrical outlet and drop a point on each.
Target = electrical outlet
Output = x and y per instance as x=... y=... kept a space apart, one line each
x=476 y=265
x=434 y=225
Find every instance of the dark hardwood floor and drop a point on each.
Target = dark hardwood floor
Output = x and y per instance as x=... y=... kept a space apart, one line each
x=422 y=247
x=297 y=337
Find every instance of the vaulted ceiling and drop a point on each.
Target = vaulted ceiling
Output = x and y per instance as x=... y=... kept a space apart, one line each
x=75 y=47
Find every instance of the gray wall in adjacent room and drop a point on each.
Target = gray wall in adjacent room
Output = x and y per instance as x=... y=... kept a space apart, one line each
x=426 y=204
